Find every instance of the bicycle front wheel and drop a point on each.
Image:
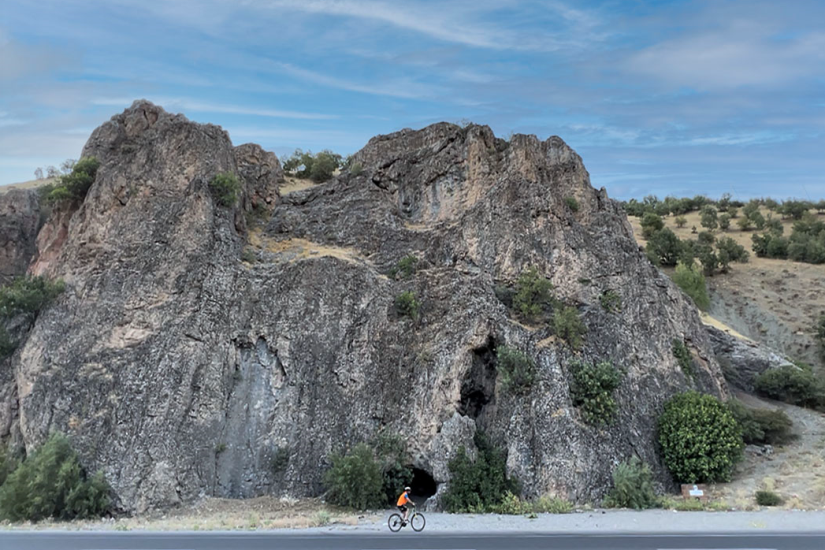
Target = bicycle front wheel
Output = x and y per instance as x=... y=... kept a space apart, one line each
x=418 y=522
x=394 y=523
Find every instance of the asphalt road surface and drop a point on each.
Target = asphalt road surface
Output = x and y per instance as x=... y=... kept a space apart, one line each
x=54 y=540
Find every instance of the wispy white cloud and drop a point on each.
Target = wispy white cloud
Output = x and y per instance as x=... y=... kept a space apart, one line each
x=186 y=104
x=452 y=22
x=741 y=54
x=403 y=88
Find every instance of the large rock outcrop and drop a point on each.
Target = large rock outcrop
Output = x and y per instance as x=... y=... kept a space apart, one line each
x=742 y=361
x=180 y=370
x=19 y=223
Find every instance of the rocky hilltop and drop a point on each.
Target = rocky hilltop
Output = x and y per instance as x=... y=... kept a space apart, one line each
x=180 y=370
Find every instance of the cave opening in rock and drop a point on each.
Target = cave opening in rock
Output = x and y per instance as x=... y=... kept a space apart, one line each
x=422 y=486
x=479 y=385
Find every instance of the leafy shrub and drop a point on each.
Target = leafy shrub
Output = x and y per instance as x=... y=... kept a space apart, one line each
x=731 y=250
x=572 y=203
x=551 y=505
x=705 y=237
x=820 y=335
x=395 y=474
x=516 y=370
x=632 y=486
x=406 y=267
x=50 y=483
x=761 y=426
x=709 y=259
x=326 y=162
x=792 y=384
x=407 y=305
x=708 y=218
x=724 y=222
x=610 y=301
x=692 y=283
x=355 y=479
x=568 y=326
x=226 y=188
x=768 y=498
x=681 y=221
x=532 y=295
x=28 y=295
x=683 y=356
x=356 y=169
x=651 y=223
x=700 y=439
x=8 y=463
x=664 y=248
x=319 y=168
x=478 y=485
x=7 y=345
x=74 y=184
x=280 y=460
x=591 y=389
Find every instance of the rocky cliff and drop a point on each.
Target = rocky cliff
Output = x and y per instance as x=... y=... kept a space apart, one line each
x=180 y=370
x=19 y=223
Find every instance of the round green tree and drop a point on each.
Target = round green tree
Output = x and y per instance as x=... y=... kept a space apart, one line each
x=700 y=438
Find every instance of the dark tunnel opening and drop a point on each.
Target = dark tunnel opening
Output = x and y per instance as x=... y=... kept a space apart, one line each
x=422 y=486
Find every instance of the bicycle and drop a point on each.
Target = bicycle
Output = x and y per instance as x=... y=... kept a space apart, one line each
x=416 y=521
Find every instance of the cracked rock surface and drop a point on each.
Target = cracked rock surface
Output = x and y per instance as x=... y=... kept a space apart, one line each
x=180 y=370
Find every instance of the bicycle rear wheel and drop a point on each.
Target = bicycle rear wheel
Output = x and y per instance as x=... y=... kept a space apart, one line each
x=418 y=522
x=394 y=523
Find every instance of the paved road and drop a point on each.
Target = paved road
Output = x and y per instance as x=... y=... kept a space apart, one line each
x=361 y=541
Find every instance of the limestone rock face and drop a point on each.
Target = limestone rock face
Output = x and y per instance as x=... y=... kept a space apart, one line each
x=742 y=361
x=181 y=371
x=19 y=223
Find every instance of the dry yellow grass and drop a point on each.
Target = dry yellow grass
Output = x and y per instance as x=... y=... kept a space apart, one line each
x=33 y=184
x=299 y=249
x=291 y=185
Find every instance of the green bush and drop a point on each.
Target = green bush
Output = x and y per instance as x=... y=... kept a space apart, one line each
x=355 y=479
x=8 y=463
x=226 y=188
x=280 y=460
x=50 y=483
x=683 y=357
x=692 y=283
x=551 y=505
x=516 y=370
x=820 y=335
x=75 y=184
x=355 y=169
x=406 y=266
x=28 y=295
x=700 y=438
x=724 y=222
x=532 y=294
x=591 y=390
x=708 y=218
x=681 y=221
x=395 y=474
x=792 y=384
x=610 y=301
x=651 y=223
x=568 y=326
x=706 y=238
x=478 y=485
x=768 y=498
x=7 y=345
x=632 y=486
x=760 y=426
x=326 y=162
x=572 y=203
x=664 y=248
x=731 y=251
x=406 y=305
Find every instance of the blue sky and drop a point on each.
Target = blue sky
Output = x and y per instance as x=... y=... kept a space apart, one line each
x=678 y=97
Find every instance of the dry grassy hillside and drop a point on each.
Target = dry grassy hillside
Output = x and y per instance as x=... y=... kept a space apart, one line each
x=771 y=301
x=26 y=185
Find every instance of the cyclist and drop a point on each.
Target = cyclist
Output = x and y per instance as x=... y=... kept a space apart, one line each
x=403 y=500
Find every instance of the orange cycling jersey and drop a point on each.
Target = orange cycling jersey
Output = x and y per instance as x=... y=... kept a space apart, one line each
x=403 y=499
